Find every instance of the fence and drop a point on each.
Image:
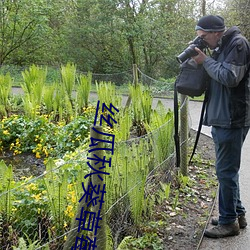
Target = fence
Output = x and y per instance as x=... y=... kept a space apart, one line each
x=44 y=215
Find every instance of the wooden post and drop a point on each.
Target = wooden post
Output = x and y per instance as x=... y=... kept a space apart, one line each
x=135 y=82
x=101 y=232
x=184 y=135
x=135 y=74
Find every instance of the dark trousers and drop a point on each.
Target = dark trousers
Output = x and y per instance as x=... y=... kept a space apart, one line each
x=228 y=145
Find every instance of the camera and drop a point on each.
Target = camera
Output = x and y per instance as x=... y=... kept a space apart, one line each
x=190 y=51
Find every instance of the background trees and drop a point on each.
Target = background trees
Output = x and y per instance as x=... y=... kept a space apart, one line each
x=107 y=36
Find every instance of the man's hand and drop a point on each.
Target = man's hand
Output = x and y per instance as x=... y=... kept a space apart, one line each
x=200 y=58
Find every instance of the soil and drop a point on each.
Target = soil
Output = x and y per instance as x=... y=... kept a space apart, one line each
x=187 y=222
x=24 y=164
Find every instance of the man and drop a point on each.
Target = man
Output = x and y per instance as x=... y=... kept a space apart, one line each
x=228 y=112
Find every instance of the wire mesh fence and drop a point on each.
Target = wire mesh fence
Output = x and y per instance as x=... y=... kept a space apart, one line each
x=42 y=211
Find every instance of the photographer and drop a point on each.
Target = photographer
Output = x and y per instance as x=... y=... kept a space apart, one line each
x=228 y=112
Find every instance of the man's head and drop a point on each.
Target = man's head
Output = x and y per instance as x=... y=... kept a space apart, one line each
x=211 y=29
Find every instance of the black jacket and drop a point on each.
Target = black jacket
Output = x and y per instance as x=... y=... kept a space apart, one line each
x=229 y=90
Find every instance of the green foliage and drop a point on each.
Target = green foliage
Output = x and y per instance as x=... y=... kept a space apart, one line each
x=83 y=91
x=123 y=126
x=161 y=126
x=22 y=244
x=41 y=136
x=33 y=85
x=141 y=109
x=68 y=74
x=5 y=90
x=147 y=241
x=6 y=184
x=48 y=98
x=164 y=192
x=110 y=36
x=29 y=206
x=129 y=172
x=56 y=187
x=106 y=92
x=23 y=25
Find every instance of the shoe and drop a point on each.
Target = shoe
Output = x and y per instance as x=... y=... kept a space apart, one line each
x=241 y=219
x=221 y=231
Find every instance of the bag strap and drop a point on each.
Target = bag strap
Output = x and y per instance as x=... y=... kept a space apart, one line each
x=199 y=127
x=176 y=126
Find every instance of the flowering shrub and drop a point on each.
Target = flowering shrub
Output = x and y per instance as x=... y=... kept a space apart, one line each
x=44 y=138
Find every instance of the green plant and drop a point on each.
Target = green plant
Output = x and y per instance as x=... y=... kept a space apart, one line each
x=142 y=109
x=34 y=81
x=30 y=208
x=43 y=137
x=165 y=190
x=68 y=74
x=161 y=128
x=176 y=199
x=107 y=94
x=83 y=91
x=6 y=196
x=184 y=181
x=56 y=187
x=128 y=177
x=29 y=245
x=48 y=98
x=123 y=126
x=147 y=241
x=5 y=90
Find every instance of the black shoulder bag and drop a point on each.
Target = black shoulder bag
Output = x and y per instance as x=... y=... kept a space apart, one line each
x=191 y=81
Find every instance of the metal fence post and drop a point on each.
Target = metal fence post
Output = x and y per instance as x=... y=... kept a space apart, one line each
x=184 y=135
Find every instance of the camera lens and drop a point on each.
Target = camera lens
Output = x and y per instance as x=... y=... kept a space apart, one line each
x=187 y=53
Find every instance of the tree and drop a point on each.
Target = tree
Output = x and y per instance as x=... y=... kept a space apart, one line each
x=20 y=22
x=237 y=13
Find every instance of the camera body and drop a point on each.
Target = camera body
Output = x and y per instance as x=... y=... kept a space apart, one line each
x=190 y=51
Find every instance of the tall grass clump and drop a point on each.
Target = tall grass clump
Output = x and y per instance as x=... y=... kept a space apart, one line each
x=6 y=184
x=106 y=92
x=33 y=85
x=68 y=74
x=48 y=98
x=83 y=91
x=141 y=106
x=161 y=132
x=5 y=90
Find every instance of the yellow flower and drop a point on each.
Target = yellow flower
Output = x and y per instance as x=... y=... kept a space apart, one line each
x=31 y=187
x=45 y=151
x=38 y=155
x=6 y=132
x=73 y=199
x=37 y=196
x=69 y=211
